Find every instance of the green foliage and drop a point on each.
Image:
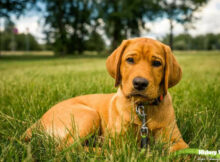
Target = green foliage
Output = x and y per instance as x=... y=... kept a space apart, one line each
x=95 y=42
x=69 y=24
x=125 y=18
x=72 y=22
x=11 y=41
x=200 y=42
x=180 y=12
x=8 y=7
x=29 y=86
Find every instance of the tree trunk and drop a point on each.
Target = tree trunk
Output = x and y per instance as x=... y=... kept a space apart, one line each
x=116 y=40
x=62 y=32
x=171 y=33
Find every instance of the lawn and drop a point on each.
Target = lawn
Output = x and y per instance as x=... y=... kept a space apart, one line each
x=30 y=85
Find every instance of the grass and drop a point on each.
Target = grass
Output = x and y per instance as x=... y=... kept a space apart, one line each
x=30 y=85
x=27 y=53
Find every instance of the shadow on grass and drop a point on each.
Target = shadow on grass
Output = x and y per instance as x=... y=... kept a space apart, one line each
x=41 y=57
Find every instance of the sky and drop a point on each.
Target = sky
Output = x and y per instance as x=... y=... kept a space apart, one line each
x=209 y=22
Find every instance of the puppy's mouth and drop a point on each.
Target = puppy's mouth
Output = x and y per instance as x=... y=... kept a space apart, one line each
x=139 y=97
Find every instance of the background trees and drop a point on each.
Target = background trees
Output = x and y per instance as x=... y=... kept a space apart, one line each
x=95 y=42
x=180 y=11
x=12 y=40
x=201 y=42
x=125 y=18
x=72 y=22
x=69 y=24
x=9 y=7
x=73 y=26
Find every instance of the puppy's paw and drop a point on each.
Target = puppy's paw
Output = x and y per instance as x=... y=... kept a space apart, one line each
x=27 y=135
x=178 y=146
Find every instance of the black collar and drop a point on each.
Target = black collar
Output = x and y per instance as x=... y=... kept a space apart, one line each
x=155 y=102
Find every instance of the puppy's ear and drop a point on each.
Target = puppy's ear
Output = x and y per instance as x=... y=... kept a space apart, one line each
x=114 y=61
x=173 y=72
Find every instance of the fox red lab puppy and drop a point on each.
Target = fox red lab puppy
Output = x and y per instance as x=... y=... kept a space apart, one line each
x=143 y=70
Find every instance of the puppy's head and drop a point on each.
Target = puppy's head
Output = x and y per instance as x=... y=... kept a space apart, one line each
x=143 y=68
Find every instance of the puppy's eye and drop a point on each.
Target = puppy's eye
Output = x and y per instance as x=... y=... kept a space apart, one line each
x=130 y=60
x=156 y=63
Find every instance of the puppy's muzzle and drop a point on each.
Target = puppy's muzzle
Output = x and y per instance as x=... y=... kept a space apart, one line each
x=140 y=83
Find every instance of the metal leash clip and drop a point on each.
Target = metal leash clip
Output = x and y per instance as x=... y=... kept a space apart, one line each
x=140 y=111
x=144 y=129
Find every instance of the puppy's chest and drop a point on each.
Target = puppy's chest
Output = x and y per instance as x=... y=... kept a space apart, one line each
x=122 y=120
x=154 y=119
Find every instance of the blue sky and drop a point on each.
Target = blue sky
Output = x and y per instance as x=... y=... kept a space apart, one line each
x=209 y=22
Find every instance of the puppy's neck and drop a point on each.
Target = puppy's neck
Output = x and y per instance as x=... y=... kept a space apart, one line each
x=122 y=101
x=125 y=108
x=131 y=102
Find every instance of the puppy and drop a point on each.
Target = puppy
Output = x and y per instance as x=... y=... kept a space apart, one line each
x=143 y=70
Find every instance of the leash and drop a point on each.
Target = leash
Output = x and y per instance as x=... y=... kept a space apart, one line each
x=142 y=116
x=144 y=129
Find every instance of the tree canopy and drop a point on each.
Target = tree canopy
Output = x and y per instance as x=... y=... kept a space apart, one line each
x=12 y=40
x=200 y=42
x=181 y=11
x=74 y=25
x=69 y=23
x=9 y=7
x=124 y=18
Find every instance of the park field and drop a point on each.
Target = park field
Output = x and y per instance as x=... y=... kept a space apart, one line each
x=30 y=85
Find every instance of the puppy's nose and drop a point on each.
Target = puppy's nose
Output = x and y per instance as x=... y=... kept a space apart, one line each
x=140 y=83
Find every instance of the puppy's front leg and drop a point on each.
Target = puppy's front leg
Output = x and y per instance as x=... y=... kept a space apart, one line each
x=176 y=139
x=172 y=136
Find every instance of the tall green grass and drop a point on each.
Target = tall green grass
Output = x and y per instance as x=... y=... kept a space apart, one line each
x=29 y=86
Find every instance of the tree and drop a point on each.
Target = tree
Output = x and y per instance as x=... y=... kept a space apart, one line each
x=13 y=7
x=11 y=40
x=124 y=18
x=18 y=42
x=9 y=7
x=208 y=41
x=95 y=42
x=69 y=23
x=180 y=11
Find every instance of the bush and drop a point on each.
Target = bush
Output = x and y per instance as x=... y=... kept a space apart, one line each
x=19 y=42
